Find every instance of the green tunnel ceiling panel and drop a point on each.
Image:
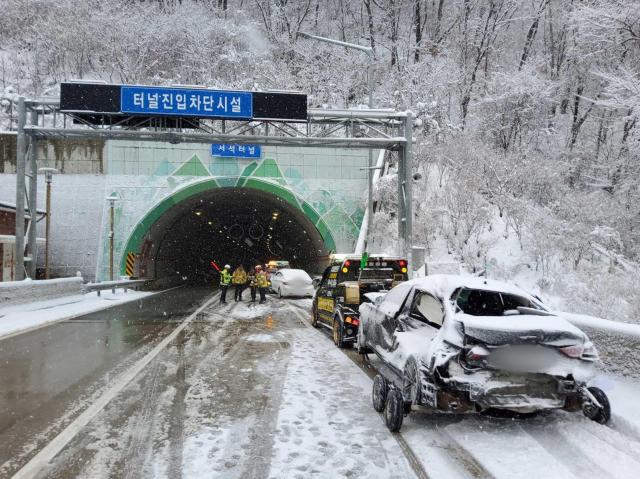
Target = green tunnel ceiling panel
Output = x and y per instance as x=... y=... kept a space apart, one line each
x=327 y=184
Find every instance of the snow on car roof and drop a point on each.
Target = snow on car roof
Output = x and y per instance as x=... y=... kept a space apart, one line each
x=295 y=273
x=443 y=285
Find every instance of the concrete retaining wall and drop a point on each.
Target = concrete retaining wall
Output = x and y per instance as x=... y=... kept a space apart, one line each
x=15 y=295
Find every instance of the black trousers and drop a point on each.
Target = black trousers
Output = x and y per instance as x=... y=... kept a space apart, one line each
x=223 y=292
x=238 y=292
x=253 y=293
x=263 y=292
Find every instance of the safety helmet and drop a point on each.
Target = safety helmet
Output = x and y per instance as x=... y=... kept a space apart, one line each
x=258 y=268
x=227 y=266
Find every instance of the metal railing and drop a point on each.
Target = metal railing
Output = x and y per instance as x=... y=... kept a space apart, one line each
x=125 y=284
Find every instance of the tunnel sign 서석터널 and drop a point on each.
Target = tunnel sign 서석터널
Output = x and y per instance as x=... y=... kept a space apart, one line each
x=200 y=103
x=232 y=150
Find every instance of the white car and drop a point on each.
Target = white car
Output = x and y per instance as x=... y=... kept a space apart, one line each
x=466 y=344
x=292 y=282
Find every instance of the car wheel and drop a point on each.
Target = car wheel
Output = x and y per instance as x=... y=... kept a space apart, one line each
x=379 y=392
x=394 y=410
x=337 y=334
x=314 y=317
x=411 y=382
x=602 y=414
x=361 y=343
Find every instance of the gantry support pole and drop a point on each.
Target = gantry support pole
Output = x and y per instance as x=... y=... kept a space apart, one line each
x=32 y=244
x=21 y=148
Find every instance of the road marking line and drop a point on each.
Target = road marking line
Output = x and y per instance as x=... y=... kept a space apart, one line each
x=40 y=460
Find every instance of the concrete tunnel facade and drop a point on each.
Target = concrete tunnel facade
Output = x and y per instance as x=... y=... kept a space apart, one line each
x=179 y=208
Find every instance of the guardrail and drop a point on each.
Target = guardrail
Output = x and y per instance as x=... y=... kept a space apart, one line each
x=618 y=343
x=112 y=285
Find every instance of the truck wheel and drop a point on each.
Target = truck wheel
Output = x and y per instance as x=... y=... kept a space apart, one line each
x=602 y=414
x=337 y=334
x=379 y=392
x=394 y=410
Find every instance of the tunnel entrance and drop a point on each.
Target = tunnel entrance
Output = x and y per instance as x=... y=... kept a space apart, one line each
x=229 y=225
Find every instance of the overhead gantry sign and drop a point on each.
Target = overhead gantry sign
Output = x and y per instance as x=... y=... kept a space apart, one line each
x=180 y=114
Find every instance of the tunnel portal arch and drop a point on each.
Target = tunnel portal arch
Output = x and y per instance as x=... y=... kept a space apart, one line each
x=180 y=223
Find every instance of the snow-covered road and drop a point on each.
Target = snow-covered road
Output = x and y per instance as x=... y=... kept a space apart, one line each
x=252 y=391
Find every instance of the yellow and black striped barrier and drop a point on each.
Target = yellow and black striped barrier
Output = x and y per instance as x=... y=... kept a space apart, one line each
x=131 y=259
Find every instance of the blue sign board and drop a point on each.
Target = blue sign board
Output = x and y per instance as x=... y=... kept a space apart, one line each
x=231 y=150
x=186 y=102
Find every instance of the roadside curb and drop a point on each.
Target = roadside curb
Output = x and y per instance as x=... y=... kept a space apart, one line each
x=76 y=315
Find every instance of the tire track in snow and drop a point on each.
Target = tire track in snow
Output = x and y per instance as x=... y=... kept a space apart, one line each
x=411 y=457
x=459 y=460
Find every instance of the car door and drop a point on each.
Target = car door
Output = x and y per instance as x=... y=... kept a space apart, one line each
x=276 y=281
x=424 y=312
x=380 y=333
x=325 y=300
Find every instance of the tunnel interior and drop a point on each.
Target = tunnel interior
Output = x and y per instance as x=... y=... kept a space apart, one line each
x=230 y=226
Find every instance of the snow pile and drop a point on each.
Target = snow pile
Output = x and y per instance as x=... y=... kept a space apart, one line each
x=22 y=295
x=34 y=315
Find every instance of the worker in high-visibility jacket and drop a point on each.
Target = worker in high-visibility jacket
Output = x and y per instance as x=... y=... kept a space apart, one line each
x=253 y=286
x=262 y=283
x=225 y=281
x=239 y=279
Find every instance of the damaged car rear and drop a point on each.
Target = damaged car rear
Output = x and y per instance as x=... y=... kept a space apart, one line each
x=464 y=344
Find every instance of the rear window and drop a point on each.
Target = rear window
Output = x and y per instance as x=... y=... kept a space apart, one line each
x=477 y=302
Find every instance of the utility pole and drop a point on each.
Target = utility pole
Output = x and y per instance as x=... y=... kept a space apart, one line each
x=21 y=147
x=48 y=178
x=369 y=52
x=112 y=202
x=32 y=242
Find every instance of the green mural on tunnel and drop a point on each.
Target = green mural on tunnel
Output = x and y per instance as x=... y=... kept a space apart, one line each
x=327 y=185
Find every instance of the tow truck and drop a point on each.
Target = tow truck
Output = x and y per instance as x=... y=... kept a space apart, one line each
x=343 y=287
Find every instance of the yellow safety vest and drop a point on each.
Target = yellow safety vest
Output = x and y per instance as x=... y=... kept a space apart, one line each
x=239 y=277
x=261 y=279
x=225 y=277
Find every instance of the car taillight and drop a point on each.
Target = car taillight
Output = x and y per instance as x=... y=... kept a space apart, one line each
x=574 y=351
x=586 y=351
x=476 y=356
x=402 y=263
x=352 y=320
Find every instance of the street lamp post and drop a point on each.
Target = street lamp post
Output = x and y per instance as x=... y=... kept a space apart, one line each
x=369 y=52
x=48 y=178
x=112 y=202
